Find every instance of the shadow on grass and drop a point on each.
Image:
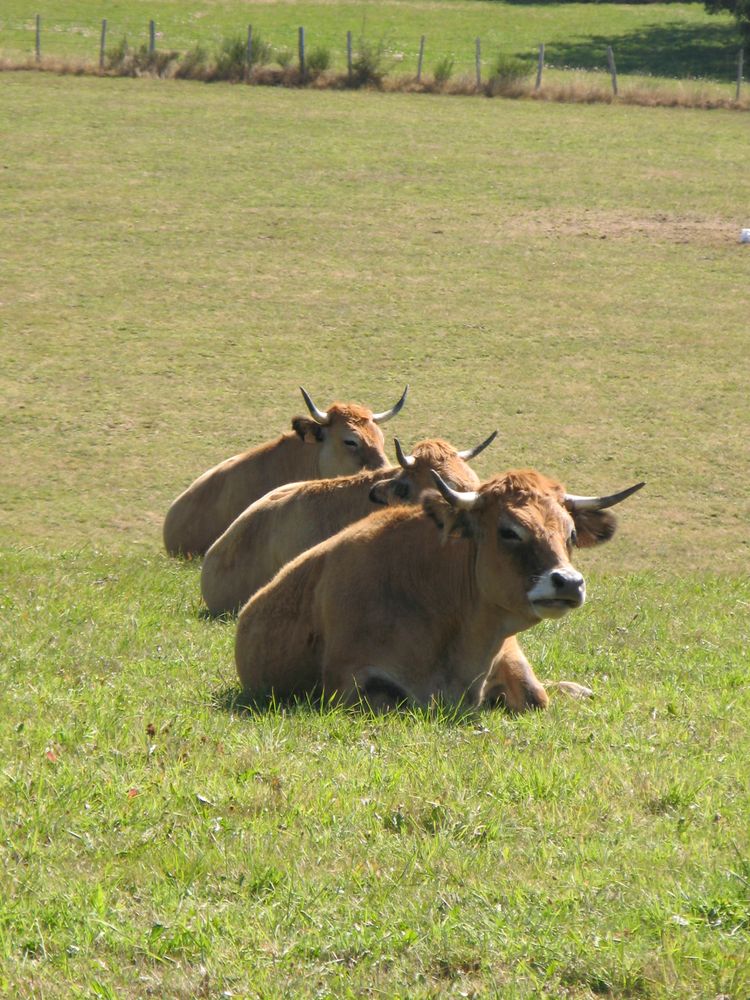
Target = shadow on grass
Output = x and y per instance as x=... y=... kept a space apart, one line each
x=231 y=698
x=670 y=50
x=204 y=615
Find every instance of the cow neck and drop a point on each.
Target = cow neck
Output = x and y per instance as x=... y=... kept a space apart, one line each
x=456 y=560
x=293 y=459
x=491 y=623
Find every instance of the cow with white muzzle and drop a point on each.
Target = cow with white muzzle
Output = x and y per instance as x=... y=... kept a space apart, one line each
x=413 y=603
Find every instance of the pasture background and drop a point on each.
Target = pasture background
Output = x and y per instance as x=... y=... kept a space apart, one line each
x=176 y=259
x=650 y=40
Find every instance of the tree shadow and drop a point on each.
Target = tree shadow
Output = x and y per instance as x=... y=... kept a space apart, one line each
x=671 y=50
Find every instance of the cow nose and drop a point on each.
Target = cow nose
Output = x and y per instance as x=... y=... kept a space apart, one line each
x=567 y=582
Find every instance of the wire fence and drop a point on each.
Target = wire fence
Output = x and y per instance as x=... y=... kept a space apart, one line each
x=96 y=42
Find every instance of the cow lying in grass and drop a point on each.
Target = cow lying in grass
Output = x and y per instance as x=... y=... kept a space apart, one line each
x=336 y=442
x=413 y=603
x=292 y=518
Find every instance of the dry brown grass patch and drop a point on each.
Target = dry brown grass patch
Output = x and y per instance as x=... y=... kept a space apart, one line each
x=598 y=225
x=684 y=94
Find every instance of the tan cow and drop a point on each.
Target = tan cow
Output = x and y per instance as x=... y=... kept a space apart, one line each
x=292 y=518
x=335 y=442
x=413 y=603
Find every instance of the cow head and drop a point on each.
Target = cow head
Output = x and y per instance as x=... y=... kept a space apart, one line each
x=525 y=527
x=415 y=475
x=348 y=436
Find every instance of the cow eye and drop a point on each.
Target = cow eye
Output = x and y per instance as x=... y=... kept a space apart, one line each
x=573 y=540
x=401 y=490
x=351 y=443
x=509 y=535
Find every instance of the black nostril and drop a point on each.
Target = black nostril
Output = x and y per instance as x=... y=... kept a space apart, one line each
x=566 y=581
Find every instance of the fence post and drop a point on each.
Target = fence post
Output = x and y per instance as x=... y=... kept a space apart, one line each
x=103 y=43
x=420 y=60
x=38 y=37
x=301 y=47
x=151 y=37
x=740 y=67
x=249 y=44
x=540 y=67
x=478 y=60
x=612 y=68
x=349 y=55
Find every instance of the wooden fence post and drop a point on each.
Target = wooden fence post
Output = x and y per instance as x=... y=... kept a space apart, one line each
x=103 y=43
x=740 y=67
x=540 y=67
x=349 y=55
x=301 y=47
x=612 y=68
x=420 y=60
x=249 y=44
x=478 y=60
x=38 y=47
x=151 y=37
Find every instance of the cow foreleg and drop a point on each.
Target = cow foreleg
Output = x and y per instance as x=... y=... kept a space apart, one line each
x=511 y=682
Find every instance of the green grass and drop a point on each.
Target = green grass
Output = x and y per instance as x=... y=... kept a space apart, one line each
x=157 y=836
x=570 y=275
x=662 y=40
x=176 y=259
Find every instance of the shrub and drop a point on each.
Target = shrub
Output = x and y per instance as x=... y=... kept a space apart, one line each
x=368 y=65
x=231 y=59
x=115 y=57
x=509 y=74
x=283 y=57
x=318 y=61
x=444 y=70
x=137 y=62
x=157 y=62
x=262 y=51
x=192 y=66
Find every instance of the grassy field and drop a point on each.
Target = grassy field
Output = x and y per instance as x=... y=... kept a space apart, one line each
x=657 y=40
x=176 y=260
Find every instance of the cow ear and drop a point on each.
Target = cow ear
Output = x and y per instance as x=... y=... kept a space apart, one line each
x=594 y=527
x=308 y=430
x=451 y=523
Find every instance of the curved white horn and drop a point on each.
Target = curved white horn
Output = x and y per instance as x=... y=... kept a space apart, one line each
x=473 y=452
x=573 y=502
x=464 y=501
x=380 y=418
x=405 y=461
x=319 y=416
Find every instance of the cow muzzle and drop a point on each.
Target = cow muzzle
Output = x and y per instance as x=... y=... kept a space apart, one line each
x=557 y=592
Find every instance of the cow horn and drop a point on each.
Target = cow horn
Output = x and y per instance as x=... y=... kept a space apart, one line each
x=464 y=501
x=319 y=416
x=405 y=461
x=574 y=503
x=380 y=418
x=473 y=452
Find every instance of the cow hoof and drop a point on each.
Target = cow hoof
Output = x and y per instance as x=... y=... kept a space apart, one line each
x=529 y=699
x=571 y=689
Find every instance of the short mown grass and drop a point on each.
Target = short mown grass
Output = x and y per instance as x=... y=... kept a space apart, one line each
x=176 y=260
